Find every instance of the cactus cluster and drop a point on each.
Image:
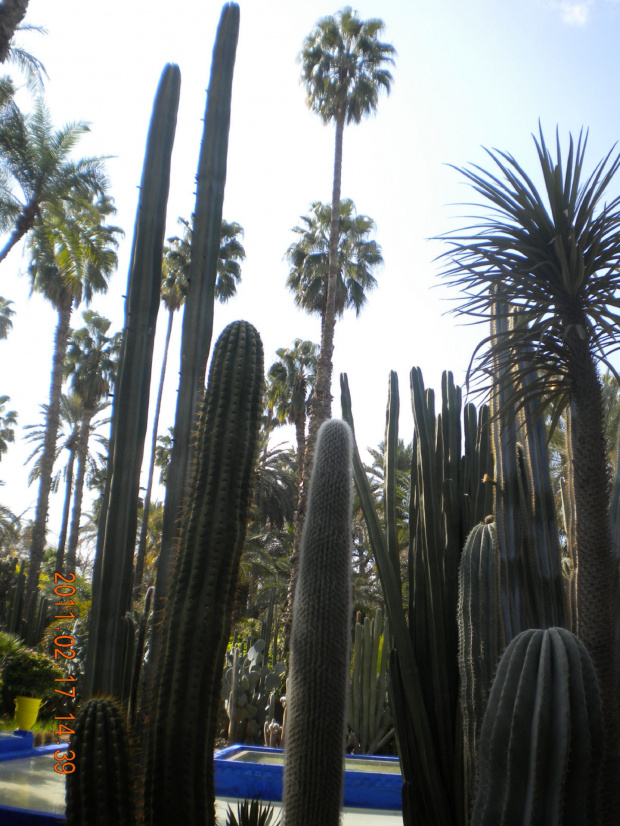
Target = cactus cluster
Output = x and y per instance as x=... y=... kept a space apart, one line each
x=100 y=790
x=320 y=640
x=370 y=717
x=248 y=687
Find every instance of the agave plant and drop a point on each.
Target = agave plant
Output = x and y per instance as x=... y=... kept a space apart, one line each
x=252 y=813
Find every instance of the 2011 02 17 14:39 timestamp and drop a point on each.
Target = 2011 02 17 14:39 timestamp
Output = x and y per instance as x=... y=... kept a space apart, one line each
x=63 y=649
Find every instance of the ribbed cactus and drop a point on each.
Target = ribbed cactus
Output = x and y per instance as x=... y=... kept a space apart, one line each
x=197 y=621
x=100 y=791
x=198 y=313
x=320 y=640
x=481 y=636
x=541 y=741
x=113 y=570
x=370 y=718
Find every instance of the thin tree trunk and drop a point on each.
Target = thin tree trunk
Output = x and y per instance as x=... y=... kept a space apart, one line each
x=62 y=539
x=39 y=527
x=12 y=12
x=321 y=405
x=78 y=495
x=596 y=574
x=141 y=555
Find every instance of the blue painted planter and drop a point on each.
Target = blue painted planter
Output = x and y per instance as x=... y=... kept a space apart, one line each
x=254 y=771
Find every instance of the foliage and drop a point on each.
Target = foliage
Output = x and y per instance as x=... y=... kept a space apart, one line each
x=252 y=813
x=8 y=423
x=30 y=674
x=344 y=66
x=308 y=257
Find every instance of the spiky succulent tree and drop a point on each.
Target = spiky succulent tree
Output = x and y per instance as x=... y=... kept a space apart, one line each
x=551 y=255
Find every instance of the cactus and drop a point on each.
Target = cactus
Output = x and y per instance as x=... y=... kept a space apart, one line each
x=531 y=581
x=113 y=571
x=481 y=636
x=541 y=743
x=320 y=640
x=100 y=791
x=370 y=719
x=198 y=315
x=197 y=621
x=247 y=688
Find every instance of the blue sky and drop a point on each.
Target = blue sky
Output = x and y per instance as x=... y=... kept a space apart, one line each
x=467 y=75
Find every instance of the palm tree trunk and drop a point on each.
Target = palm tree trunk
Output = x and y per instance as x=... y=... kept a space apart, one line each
x=62 y=539
x=78 y=495
x=12 y=12
x=321 y=405
x=596 y=574
x=141 y=555
x=39 y=527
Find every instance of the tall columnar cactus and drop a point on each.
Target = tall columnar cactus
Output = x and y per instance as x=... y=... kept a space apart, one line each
x=531 y=583
x=195 y=632
x=447 y=499
x=320 y=640
x=370 y=718
x=113 y=571
x=541 y=741
x=481 y=636
x=198 y=314
x=100 y=790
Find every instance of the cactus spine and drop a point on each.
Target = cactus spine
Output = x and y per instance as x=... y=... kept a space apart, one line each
x=541 y=742
x=320 y=640
x=113 y=572
x=197 y=621
x=99 y=791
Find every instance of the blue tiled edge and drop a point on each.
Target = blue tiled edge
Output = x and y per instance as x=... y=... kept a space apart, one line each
x=370 y=790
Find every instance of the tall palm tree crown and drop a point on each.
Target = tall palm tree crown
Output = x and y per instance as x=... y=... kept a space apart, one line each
x=178 y=257
x=344 y=66
x=547 y=265
x=38 y=159
x=358 y=255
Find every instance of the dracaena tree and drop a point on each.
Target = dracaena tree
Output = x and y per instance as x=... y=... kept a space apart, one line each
x=547 y=248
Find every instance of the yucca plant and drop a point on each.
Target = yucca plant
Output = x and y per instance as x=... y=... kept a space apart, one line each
x=551 y=257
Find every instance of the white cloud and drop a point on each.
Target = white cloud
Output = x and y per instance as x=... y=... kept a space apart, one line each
x=574 y=13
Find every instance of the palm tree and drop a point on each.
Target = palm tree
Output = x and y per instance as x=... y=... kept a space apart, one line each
x=8 y=423
x=6 y=316
x=38 y=158
x=72 y=256
x=12 y=12
x=357 y=256
x=91 y=363
x=553 y=256
x=343 y=68
x=309 y=278
x=175 y=279
x=290 y=382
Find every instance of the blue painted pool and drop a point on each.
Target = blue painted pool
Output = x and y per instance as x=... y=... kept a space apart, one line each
x=33 y=794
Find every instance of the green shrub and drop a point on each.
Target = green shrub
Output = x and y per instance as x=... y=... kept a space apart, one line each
x=30 y=674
